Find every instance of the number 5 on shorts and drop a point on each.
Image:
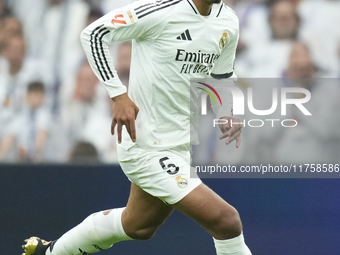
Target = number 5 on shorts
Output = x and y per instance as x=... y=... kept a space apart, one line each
x=170 y=168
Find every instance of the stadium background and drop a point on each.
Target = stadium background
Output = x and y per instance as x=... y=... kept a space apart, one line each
x=280 y=216
x=43 y=193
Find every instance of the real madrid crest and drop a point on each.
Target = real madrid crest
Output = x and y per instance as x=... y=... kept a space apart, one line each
x=224 y=40
x=181 y=182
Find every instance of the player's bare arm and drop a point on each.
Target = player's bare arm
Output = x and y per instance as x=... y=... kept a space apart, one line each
x=124 y=113
x=233 y=132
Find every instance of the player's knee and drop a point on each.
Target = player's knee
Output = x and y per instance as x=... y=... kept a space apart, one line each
x=233 y=224
x=142 y=233
x=228 y=224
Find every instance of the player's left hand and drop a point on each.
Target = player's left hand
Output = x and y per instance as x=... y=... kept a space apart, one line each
x=124 y=113
x=233 y=132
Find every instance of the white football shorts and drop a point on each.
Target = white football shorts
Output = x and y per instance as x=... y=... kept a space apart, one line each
x=164 y=173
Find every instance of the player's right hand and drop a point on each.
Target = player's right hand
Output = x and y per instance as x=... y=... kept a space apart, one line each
x=124 y=112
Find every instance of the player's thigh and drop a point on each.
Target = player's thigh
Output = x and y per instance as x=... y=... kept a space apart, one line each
x=144 y=213
x=165 y=174
x=212 y=212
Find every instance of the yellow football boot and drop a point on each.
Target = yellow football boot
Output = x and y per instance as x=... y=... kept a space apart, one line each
x=35 y=246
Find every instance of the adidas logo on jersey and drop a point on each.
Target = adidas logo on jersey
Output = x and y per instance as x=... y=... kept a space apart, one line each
x=185 y=36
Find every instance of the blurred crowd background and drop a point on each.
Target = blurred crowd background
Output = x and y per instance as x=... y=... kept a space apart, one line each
x=53 y=109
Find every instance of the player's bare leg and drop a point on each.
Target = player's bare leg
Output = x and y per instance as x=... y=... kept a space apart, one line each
x=219 y=218
x=143 y=214
x=139 y=220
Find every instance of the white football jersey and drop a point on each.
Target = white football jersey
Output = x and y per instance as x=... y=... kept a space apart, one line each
x=171 y=43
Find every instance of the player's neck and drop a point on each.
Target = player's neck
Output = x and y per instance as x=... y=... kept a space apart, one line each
x=203 y=7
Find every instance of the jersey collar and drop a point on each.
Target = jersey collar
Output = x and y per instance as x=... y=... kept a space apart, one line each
x=215 y=10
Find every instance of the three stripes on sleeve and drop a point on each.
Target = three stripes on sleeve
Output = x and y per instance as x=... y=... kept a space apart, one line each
x=99 y=32
x=99 y=54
